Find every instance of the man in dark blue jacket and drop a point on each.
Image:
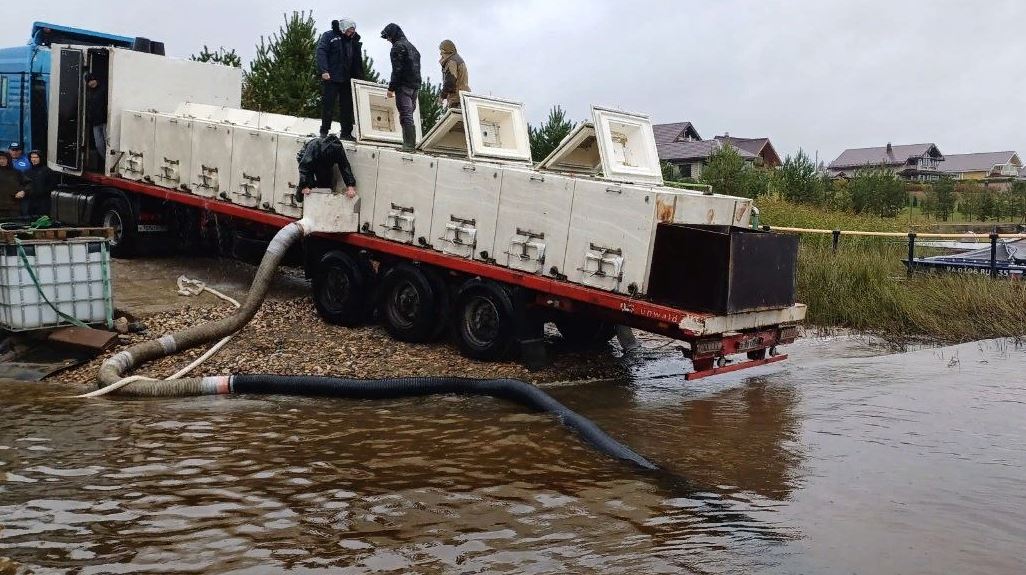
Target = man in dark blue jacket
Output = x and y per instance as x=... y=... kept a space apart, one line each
x=339 y=60
x=405 y=81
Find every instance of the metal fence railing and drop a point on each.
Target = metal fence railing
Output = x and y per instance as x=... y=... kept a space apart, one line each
x=910 y=236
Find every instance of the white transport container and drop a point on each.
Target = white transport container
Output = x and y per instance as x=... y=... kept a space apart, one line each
x=533 y=221
x=254 y=154
x=211 y=159
x=612 y=235
x=286 y=175
x=172 y=151
x=364 y=161
x=405 y=197
x=137 y=156
x=73 y=274
x=466 y=208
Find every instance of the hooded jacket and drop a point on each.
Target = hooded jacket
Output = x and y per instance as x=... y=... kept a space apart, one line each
x=405 y=60
x=11 y=182
x=42 y=181
x=455 y=78
x=340 y=56
x=317 y=161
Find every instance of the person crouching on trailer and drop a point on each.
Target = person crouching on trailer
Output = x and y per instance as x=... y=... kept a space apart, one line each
x=317 y=162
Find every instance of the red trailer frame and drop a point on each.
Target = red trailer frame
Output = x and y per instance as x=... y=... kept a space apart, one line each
x=707 y=352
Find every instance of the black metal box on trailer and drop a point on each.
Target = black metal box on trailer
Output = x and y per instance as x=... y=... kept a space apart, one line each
x=723 y=269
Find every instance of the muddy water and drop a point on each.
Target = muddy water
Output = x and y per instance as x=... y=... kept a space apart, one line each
x=841 y=461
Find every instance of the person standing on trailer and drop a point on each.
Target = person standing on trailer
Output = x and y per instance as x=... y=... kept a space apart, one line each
x=18 y=161
x=455 y=78
x=96 y=117
x=42 y=180
x=340 y=60
x=405 y=81
x=317 y=162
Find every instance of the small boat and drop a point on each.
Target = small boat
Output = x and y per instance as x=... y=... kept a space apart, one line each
x=1010 y=260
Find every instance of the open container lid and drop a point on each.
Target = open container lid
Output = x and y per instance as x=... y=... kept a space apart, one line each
x=618 y=145
x=448 y=136
x=578 y=153
x=495 y=129
x=377 y=118
x=627 y=146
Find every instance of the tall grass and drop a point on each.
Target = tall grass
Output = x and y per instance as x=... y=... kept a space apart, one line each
x=864 y=285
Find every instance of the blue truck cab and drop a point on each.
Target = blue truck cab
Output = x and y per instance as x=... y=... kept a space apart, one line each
x=25 y=76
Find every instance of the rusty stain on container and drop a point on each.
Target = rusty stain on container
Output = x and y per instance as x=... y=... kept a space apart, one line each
x=666 y=211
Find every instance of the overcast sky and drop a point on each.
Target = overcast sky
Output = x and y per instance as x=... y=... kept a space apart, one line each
x=823 y=75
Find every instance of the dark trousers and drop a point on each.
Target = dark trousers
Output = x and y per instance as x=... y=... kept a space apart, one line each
x=406 y=102
x=341 y=94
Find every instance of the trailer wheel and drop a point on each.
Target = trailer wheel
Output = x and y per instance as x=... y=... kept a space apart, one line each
x=413 y=303
x=116 y=213
x=485 y=326
x=340 y=287
x=584 y=332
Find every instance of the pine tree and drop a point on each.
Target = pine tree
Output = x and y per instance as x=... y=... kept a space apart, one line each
x=220 y=56
x=369 y=73
x=547 y=136
x=282 y=78
x=428 y=104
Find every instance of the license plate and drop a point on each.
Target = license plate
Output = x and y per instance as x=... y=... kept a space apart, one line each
x=749 y=344
x=145 y=228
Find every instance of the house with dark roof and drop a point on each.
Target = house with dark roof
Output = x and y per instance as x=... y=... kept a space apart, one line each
x=984 y=166
x=680 y=145
x=911 y=162
x=676 y=132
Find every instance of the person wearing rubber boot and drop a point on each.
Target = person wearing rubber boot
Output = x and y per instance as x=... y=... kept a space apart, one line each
x=339 y=60
x=405 y=81
x=455 y=78
x=317 y=162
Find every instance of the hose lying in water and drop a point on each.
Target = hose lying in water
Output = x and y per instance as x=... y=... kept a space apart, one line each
x=113 y=372
x=508 y=389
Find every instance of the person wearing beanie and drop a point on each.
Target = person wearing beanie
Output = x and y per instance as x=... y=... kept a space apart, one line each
x=339 y=60
x=405 y=81
x=455 y=78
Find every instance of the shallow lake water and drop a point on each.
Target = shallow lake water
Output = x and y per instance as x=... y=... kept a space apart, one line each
x=844 y=459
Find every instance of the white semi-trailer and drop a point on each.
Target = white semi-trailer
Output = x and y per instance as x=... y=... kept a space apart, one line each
x=466 y=235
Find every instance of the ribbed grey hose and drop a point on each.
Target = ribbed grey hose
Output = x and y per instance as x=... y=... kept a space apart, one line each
x=118 y=366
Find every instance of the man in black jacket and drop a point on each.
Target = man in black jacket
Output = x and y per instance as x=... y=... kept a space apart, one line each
x=96 y=116
x=317 y=161
x=405 y=81
x=339 y=60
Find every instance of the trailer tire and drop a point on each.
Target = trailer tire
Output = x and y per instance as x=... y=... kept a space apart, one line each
x=117 y=213
x=584 y=332
x=485 y=321
x=413 y=303
x=340 y=289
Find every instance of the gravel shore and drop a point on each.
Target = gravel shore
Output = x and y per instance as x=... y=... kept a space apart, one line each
x=288 y=338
